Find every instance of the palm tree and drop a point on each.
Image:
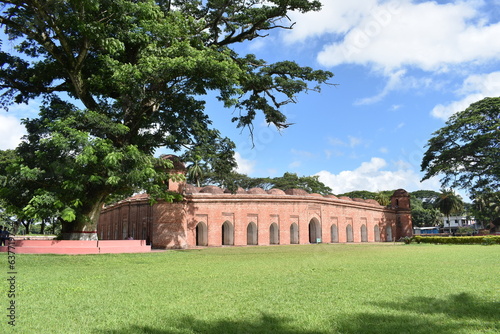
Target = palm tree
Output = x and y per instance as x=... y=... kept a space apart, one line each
x=382 y=198
x=448 y=202
x=487 y=207
x=195 y=171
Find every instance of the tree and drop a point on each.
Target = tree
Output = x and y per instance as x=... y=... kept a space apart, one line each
x=467 y=149
x=486 y=208
x=448 y=203
x=364 y=194
x=136 y=74
x=383 y=198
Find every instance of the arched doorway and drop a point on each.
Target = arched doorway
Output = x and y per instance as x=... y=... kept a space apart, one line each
x=334 y=232
x=201 y=234
x=227 y=234
x=348 y=231
x=314 y=231
x=294 y=234
x=376 y=231
x=388 y=233
x=274 y=234
x=364 y=233
x=252 y=234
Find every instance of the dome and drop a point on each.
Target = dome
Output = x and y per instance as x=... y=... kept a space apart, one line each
x=256 y=191
x=299 y=192
x=178 y=164
x=190 y=189
x=400 y=193
x=275 y=191
x=211 y=190
x=240 y=190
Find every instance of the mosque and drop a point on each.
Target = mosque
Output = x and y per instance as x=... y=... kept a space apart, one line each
x=211 y=216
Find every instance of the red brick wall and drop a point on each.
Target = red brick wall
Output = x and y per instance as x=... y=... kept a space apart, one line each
x=173 y=225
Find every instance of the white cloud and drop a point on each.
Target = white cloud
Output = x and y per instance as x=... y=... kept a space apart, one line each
x=352 y=141
x=11 y=132
x=474 y=88
x=392 y=34
x=371 y=176
x=244 y=166
x=395 y=81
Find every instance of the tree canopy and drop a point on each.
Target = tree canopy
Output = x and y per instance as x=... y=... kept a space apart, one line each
x=121 y=78
x=467 y=149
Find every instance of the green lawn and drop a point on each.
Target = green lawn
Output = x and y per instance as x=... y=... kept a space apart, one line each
x=356 y=288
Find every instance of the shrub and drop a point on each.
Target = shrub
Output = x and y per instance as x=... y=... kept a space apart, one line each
x=478 y=240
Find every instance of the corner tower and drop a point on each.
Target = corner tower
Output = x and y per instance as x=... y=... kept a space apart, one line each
x=400 y=203
x=177 y=181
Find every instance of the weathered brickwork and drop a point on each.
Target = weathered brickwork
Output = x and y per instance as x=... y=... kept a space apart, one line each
x=210 y=217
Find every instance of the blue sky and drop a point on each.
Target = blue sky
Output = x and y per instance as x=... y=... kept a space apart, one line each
x=401 y=69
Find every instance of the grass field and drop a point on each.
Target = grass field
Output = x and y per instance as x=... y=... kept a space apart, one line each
x=341 y=288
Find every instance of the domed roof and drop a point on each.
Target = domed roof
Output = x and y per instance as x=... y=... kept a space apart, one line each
x=178 y=164
x=400 y=193
x=240 y=190
x=299 y=192
x=372 y=201
x=189 y=189
x=256 y=191
x=211 y=190
x=331 y=196
x=275 y=191
x=345 y=198
x=315 y=194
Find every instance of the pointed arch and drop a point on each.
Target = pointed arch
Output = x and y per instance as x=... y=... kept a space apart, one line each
x=364 y=233
x=294 y=234
x=388 y=233
x=201 y=234
x=227 y=234
x=314 y=231
x=334 y=233
x=376 y=232
x=274 y=234
x=349 y=234
x=252 y=234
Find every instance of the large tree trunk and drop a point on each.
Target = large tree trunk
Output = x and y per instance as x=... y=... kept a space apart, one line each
x=84 y=227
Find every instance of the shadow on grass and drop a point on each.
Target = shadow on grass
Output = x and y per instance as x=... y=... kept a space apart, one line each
x=422 y=315
x=266 y=324
x=459 y=306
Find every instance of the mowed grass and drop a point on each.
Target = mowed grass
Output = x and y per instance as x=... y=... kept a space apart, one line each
x=341 y=288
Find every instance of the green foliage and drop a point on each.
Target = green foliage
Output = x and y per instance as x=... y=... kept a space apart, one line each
x=449 y=203
x=383 y=197
x=232 y=181
x=139 y=72
x=425 y=217
x=364 y=194
x=466 y=149
x=486 y=207
x=479 y=240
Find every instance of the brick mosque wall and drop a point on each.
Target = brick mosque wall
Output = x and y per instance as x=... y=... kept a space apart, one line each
x=211 y=217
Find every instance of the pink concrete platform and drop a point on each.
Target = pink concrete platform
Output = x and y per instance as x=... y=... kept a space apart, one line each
x=78 y=246
x=123 y=246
